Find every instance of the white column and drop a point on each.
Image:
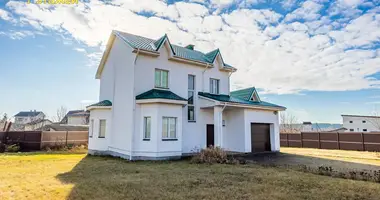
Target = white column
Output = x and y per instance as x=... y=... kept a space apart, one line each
x=218 y=118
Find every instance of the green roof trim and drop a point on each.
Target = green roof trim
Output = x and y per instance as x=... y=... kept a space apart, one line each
x=245 y=94
x=139 y=42
x=102 y=103
x=232 y=99
x=159 y=94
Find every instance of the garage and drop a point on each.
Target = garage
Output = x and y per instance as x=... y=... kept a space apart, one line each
x=260 y=137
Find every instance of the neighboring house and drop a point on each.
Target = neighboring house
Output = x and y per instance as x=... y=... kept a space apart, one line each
x=64 y=127
x=25 y=117
x=161 y=101
x=361 y=123
x=31 y=126
x=76 y=117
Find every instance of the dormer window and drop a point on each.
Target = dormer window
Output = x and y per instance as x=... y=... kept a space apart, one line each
x=214 y=86
x=161 y=78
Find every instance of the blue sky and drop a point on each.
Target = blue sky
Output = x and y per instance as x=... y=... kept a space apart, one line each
x=318 y=58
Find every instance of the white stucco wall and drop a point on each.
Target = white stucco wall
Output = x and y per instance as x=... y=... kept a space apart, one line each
x=94 y=142
x=234 y=130
x=357 y=123
x=262 y=116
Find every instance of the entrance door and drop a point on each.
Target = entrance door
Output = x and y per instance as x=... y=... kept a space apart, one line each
x=260 y=137
x=210 y=135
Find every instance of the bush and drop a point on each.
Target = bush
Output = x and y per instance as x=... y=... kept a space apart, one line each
x=2 y=147
x=12 y=148
x=211 y=155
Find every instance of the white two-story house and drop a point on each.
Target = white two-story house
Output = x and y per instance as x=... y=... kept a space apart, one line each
x=161 y=101
x=25 y=117
x=361 y=123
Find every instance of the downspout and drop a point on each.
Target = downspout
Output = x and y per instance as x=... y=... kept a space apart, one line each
x=134 y=105
x=203 y=78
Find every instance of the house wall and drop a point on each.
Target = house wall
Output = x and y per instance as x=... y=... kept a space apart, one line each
x=262 y=116
x=95 y=143
x=357 y=124
x=28 y=119
x=194 y=133
x=76 y=120
x=233 y=136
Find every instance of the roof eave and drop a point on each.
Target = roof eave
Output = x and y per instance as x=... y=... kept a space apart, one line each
x=160 y=100
x=98 y=108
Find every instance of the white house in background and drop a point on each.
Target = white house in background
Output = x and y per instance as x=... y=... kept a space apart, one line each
x=162 y=101
x=76 y=117
x=361 y=123
x=25 y=117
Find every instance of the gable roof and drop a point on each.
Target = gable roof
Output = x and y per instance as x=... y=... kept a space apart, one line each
x=246 y=93
x=39 y=121
x=28 y=113
x=236 y=100
x=102 y=103
x=159 y=94
x=139 y=42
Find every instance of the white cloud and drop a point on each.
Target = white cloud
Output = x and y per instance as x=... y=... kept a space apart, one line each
x=80 y=49
x=18 y=35
x=5 y=15
x=281 y=54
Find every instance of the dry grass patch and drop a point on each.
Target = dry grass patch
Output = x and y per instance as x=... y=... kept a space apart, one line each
x=60 y=176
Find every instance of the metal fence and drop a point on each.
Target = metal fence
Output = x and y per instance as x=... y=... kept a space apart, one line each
x=37 y=140
x=328 y=140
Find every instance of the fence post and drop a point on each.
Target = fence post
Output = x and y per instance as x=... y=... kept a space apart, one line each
x=337 y=134
x=301 y=139
x=67 y=132
x=319 y=140
x=363 y=141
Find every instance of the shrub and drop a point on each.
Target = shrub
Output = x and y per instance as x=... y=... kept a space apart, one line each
x=2 y=147
x=12 y=148
x=211 y=155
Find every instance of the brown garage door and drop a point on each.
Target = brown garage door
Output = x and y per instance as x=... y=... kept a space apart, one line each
x=260 y=137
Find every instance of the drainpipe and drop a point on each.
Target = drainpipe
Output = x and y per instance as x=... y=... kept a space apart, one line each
x=134 y=105
x=203 y=78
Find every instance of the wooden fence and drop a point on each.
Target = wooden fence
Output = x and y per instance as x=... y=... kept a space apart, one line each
x=328 y=140
x=37 y=140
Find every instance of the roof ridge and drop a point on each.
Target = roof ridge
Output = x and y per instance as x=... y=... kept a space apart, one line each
x=135 y=35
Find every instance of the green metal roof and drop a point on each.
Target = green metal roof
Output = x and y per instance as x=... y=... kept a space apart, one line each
x=139 y=42
x=245 y=94
x=159 y=94
x=102 y=103
x=232 y=99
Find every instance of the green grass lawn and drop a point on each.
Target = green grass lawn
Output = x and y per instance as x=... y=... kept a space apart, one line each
x=75 y=176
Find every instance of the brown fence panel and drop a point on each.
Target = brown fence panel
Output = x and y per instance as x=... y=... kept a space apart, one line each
x=2 y=136
x=351 y=141
x=77 y=137
x=53 y=138
x=294 y=140
x=371 y=141
x=310 y=140
x=329 y=140
x=284 y=140
x=28 y=140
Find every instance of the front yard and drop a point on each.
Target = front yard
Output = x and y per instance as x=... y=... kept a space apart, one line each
x=75 y=176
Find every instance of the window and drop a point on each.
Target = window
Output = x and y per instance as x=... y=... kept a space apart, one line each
x=352 y=129
x=365 y=130
x=102 y=128
x=364 y=122
x=190 y=100
x=214 y=86
x=169 y=126
x=92 y=128
x=147 y=122
x=161 y=78
x=351 y=122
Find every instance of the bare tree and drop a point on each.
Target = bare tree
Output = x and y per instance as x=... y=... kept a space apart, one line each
x=60 y=114
x=375 y=120
x=4 y=118
x=289 y=123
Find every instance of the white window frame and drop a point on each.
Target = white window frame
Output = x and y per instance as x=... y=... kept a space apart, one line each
x=214 y=86
x=161 y=85
x=92 y=128
x=194 y=93
x=168 y=136
x=100 y=128
x=145 y=128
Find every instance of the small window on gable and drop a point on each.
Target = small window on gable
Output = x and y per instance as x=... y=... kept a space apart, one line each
x=351 y=129
x=364 y=122
x=351 y=122
x=364 y=130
